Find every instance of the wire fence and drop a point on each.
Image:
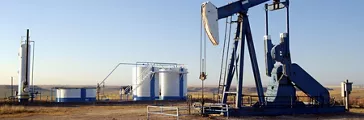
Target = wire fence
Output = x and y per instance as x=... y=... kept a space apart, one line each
x=249 y=100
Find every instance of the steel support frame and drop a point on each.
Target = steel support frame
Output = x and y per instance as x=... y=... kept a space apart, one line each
x=243 y=32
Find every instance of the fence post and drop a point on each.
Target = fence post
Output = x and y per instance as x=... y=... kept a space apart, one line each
x=227 y=111
x=189 y=103
x=177 y=113
x=250 y=100
x=147 y=112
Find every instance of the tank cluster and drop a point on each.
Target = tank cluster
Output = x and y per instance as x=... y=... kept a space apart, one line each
x=159 y=83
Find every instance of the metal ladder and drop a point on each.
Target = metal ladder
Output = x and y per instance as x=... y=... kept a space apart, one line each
x=224 y=60
x=222 y=81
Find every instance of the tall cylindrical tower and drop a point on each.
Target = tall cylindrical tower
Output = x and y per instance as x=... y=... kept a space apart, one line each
x=24 y=77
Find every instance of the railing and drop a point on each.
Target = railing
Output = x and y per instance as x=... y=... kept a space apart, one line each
x=160 y=64
x=224 y=108
x=163 y=110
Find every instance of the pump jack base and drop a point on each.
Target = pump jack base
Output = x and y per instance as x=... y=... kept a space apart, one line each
x=275 y=111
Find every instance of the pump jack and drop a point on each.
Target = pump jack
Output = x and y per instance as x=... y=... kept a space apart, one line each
x=285 y=76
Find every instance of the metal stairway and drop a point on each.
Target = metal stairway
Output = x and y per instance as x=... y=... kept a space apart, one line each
x=147 y=74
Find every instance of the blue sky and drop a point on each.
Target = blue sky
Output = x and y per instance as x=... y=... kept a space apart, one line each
x=79 y=42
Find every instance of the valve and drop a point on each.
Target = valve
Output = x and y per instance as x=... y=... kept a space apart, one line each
x=25 y=89
x=203 y=76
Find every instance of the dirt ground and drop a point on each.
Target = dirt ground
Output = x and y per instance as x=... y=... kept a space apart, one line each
x=122 y=112
x=138 y=112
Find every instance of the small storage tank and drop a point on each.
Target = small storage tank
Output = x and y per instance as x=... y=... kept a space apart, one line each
x=173 y=83
x=75 y=94
x=90 y=94
x=145 y=83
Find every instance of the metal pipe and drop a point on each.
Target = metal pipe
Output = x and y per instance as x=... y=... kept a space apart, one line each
x=155 y=64
x=202 y=96
x=204 y=57
x=266 y=19
x=159 y=63
x=27 y=59
x=201 y=32
x=109 y=74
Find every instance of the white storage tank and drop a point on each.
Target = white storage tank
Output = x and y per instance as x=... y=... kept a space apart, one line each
x=173 y=83
x=145 y=83
x=75 y=94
